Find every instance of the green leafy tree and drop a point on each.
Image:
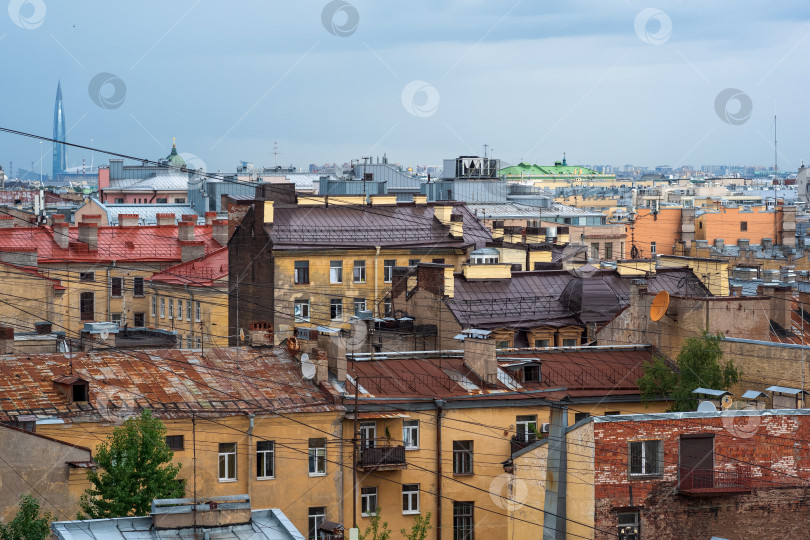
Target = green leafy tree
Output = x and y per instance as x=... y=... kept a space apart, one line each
x=135 y=467
x=420 y=528
x=700 y=364
x=27 y=524
x=377 y=530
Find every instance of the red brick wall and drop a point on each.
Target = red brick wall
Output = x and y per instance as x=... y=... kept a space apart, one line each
x=758 y=447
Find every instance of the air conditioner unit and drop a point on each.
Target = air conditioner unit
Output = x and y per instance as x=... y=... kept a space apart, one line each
x=544 y=428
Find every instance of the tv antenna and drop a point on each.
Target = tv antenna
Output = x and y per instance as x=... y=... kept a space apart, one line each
x=275 y=154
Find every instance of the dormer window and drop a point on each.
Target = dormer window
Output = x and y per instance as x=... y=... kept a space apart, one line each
x=74 y=389
x=531 y=374
x=80 y=392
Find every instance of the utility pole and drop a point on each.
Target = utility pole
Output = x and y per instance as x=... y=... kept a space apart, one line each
x=355 y=532
x=194 y=461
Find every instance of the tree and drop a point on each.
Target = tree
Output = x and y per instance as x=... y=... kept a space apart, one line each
x=27 y=524
x=136 y=467
x=419 y=530
x=700 y=364
x=375 y=531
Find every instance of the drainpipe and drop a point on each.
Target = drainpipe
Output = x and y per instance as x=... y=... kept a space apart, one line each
x=439 y=407
x=109 y=289
x=251 y=419
x=154 y=194
x=190 y=319
x=376 y=282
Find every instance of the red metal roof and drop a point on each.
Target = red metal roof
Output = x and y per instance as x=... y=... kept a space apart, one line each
x=172 y=383
x=199 y=272
x=144 y=243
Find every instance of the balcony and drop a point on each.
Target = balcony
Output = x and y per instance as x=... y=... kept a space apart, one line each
x=709 y=482
x=381 y=456
x=521 y=441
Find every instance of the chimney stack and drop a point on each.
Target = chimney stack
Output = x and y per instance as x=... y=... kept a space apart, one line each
x=210 y=217
x=57 y=218
x=268 y=212
x=191 y=249
x=61 y=234
x=128 y=220
x=443 y=213
x=261 y=334
x=185 y=230
x=320 y=358
x=165 y=219
x=91 y=218
x=189 y=217
x=88 y=234
x=480 y=355
x=220 y=232
x=457 y=226
x=6 y=339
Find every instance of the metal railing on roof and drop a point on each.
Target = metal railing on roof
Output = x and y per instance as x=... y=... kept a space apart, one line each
x=426 y=233
x=527 y=305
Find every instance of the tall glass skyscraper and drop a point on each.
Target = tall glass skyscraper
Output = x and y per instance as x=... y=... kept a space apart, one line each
x=59 y=150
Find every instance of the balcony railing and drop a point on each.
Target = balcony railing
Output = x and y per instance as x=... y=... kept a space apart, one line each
x=711 y=481
x=382 y=456
x=521 y=441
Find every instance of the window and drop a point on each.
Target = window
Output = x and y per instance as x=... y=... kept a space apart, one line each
x=542 y=343
x=612 y=413
x=581 y=416
x=359 y=271
x=410 y=498
x=174 y=442
x=462 y=520
x=317 y=457
x=413 y=262
x=462 y=457
x=162 y=200
x=180 y=340
x=227 y=462
x=80 y=392
x=139 y=319
x=743 y=225
x=335 y=271
x=301 y=274
x=117 y=318
x=569 y=342
x=137 y=286
x=609 y=250
x=336 y=309
x=171 y=308
x=153 y=307
x=410 y=434
x=265 y=459
x=198 y=342
x=301 y=310
x=645 y=458
x=652 y=248
x=119 y=200
x=116 y=286
x=388 y=269
x=87 y=276
x=179 y=310
x=190 y=342
x=368 y=434
x=188 y=310
x=179 y=200
x=595 y=250
x=87 y=306
x=317 y=515
x=197 y=312
x=162 y=308
x=438 y=261
x=503 y=344
x=526 y=428
x=388 y=307
x=531 y=374
x=629 y=527
x=368 y=501
x=359 y=305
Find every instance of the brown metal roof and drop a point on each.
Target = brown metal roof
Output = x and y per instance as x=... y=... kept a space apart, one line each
x=172 y=383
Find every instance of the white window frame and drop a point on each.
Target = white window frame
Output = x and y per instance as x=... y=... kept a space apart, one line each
x=361 y=302
x=179 y=310
x=522 y=423
x=410 y=432
x=410 y=499
x=188 y=310
x=198 y=342
x=463 y=458
x=171 y=308
x=368 y=434
x=338 y=312
x=359 y=272
x=335 y=272
x=368 y=495
x=162 y=308
x=266 y=456
x=301 y=311
x=631 y=528
x=388 y=270
x=316 y=455
x=645 y=449
x=652 y=248
x=225 y=455
x=117 y=318
x=189 y=342
x=198 y=311
x=153 y=306
x=314 y=521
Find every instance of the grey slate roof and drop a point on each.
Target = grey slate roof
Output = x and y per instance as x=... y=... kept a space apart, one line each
x=161 y=182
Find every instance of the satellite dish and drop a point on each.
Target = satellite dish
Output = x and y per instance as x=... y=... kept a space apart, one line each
x=104 y=334
x=726 y=402
x=707 y=406
x=659 y=306
x=307 y=367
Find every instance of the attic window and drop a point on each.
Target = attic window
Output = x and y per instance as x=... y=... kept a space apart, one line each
x=80 y=391
x=531 y=374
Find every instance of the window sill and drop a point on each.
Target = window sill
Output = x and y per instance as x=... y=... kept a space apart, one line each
x=226 y=480
x=265 y=478
x=314 y=475
x=644 y=476
x=139 y=296
x=464 y=474
x=411 y=513
x=408 y=448
x=368 y=515
x=301 y=283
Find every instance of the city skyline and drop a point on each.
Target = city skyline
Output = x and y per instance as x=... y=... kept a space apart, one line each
x=619 y=84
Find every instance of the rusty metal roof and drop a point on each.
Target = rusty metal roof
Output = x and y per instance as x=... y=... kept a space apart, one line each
x=172 y=383
x=303 y=227
x=201 y=272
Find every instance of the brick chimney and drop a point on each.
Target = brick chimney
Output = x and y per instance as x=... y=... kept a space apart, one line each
x=128 y=220
x=185 y=230
x=320 y=358
x=782 y=306
x=91 y=218
x=220 y=231
x=210 y=217
x=6 y=339
x=88 y=234
x=165 y=219
x=480 y=356
x=191 y=249
x=189 y=217
x=57 y=218
x=261 y=334
x=61 y=234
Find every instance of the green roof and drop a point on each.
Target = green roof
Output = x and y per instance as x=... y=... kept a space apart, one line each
x=174 y=159
x=558 y=169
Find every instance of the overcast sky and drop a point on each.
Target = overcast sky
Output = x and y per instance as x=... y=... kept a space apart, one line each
x=604 y=81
